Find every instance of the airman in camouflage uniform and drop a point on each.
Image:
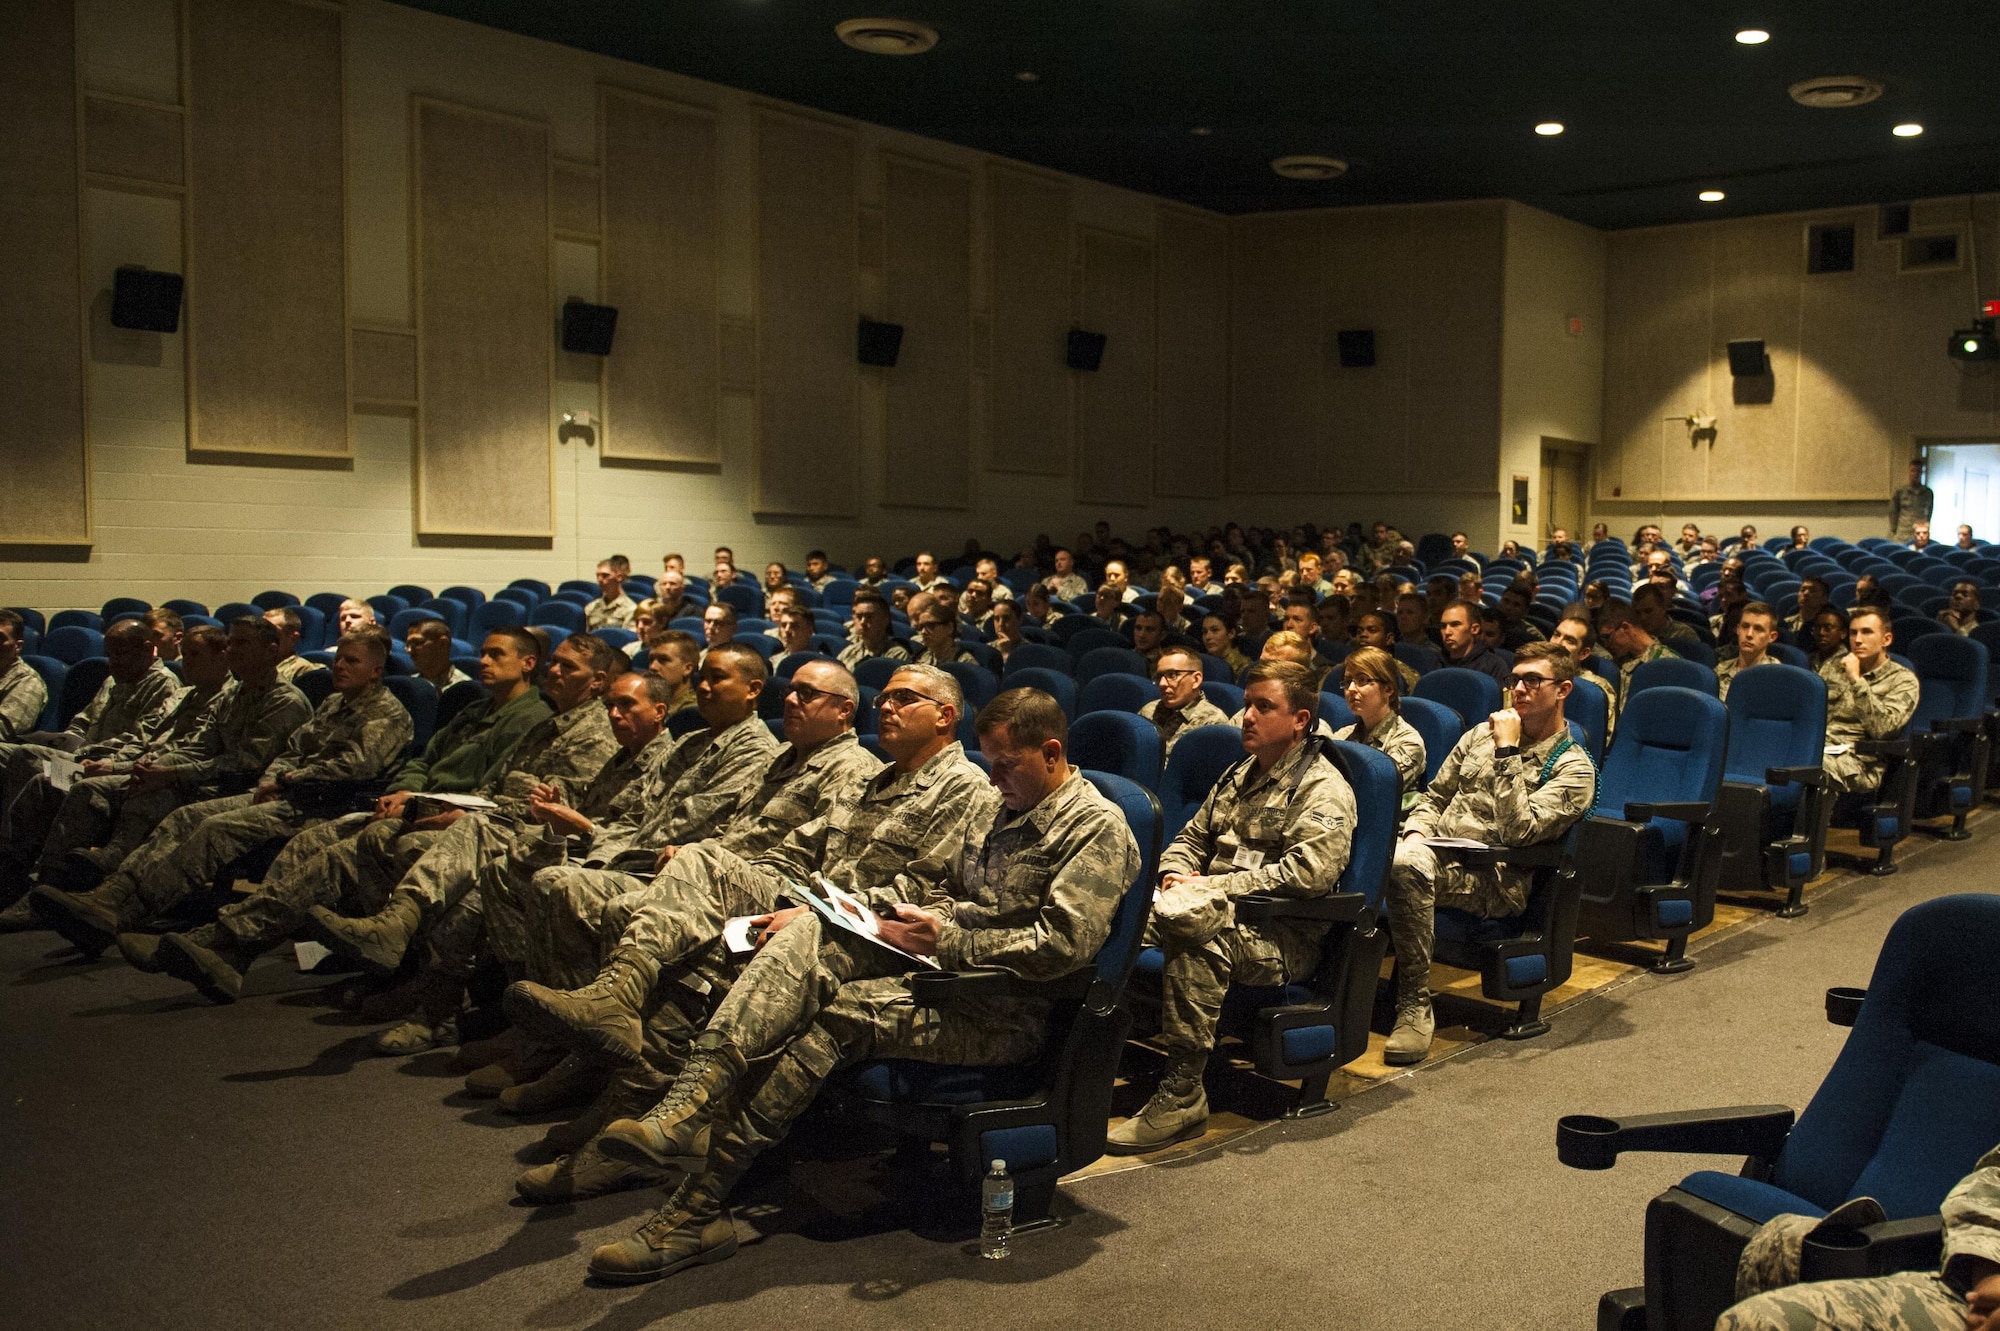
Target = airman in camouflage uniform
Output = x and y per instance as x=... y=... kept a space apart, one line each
x=1398 y=741
x=1521 y=793
x=358 y=734
x=23 y=697
x=1871 y=701
x=1962 y=1295
x=1032 y=894
x=1279 y=823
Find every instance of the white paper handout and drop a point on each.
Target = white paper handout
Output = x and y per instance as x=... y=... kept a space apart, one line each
x=1454 y=843
x=62 y=770
x=469 y=802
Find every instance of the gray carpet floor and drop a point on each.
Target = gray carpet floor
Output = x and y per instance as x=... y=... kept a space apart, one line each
x=170 y=1164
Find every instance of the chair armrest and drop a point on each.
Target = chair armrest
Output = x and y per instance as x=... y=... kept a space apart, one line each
x=1586 y=1141
x=1842 y=1252
x=1333 y=908
x=1882 y=748
x=1843 y=1005
x=1541 y=855
x=1963 y=725
x=1795 y=776
x=1682 y=811
x=939 y=989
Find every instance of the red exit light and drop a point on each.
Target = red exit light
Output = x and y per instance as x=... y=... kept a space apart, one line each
x=1990 y=310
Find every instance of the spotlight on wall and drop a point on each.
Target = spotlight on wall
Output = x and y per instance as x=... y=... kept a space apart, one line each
x=1976 y=343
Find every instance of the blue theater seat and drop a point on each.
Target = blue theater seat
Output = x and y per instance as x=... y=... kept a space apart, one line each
x=1116 y=692
x=1772 y=807
x=1199 y=759
x=1120 y=743
x=1440 y=727
x=1948 y=743
x=1474 y=696
x=1054 y=683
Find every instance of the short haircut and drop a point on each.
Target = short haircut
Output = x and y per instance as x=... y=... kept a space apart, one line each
x=656 y=687
x=11 y=619
x=1386 y=620
x=1150 y=614
x=523 y=641
x=1757 y=608
x=1488 y=614
x=943 y=684
x=429 y=630
x=1521 y=587
x=1561 y=664
x=370 y=638
x=672 y=555
x=1189 y=652
x=679 y=642
x=128 y=628
x=743 y=658
x=843 y=680
x=867 y=594
x=1032 y=718
x=544 y=645
x=1956 y=583
x=1376 y=664
x=1301 y=693
x=1287 y=641
x=206 y=636
x=621 y=563
x=258 y=627
x=1300 y=596
x=944 y=607
x=597 y=653
x=288 y=615
x=161 y=617
x=728 y=612
x=1615 y=614
x=815 y=554
x=1471 y=609
x=1868 y=611
x=1650 y=591
x=649 y=606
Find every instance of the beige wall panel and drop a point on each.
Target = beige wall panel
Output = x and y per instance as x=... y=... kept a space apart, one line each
x=1846 y=361
x=575 y=201
x=1364 y=431
x=1759 y=265
x=739 y=355
x=267 y=287
x=1029 y=232
x=1455 y=300
x=807 y=457
x=41 y=339
x=927 y=241
x=1276 y=355
x=385 y=367
x=140 y=142
x=1114 y=405
x=485 y=341
x=1191 y=400
x=1657 y=320
x=663 y=378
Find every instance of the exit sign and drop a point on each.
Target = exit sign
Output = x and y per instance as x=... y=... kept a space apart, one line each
x=1991 y=309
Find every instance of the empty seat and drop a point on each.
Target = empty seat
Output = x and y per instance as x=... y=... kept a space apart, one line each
x=1034 y=656
x=420 y=700
x=1108 y=661
x=79 y=686
x=1117 y=742
x=496 y=614
x=1054 y=683
x=1223 y=695
x=273 y=600
x=1474 y=696
x=410 y=594
x=122 y=605
x=1772 y=807
x=1199 y=759
x=559 y=614
x=1674 y=672
x=72 y=643
x=1116 y=692
x=87 y=619
x=1439 y=726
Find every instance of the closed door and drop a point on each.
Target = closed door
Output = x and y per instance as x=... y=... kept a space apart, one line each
x=1562 y=490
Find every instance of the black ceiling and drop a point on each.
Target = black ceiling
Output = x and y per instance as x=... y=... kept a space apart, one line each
x=1427 y=99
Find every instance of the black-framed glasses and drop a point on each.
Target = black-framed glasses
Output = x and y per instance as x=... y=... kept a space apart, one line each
x=900 y=698
x=1529 y=682
x=808 y=695
x=1166 y=675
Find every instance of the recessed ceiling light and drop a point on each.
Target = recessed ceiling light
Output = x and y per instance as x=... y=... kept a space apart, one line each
x=1548 y=129
x=1201 y=131
x=886 y=36
x=1908 y=130
x=1028 y=76
x=1711 y=196
x=1753 y=37
x=1308 y=166
x=1836 y=91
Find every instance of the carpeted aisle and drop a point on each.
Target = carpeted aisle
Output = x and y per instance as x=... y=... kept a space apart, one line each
x=169 y=1164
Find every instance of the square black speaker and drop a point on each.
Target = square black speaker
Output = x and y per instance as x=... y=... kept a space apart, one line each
x=878 y=343
x=1357 y=348
x=588 y=328
x=1747 y=359
x=146 y=300
x=1086 y=350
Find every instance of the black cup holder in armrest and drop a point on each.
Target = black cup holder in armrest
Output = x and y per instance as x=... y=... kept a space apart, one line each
x=1843 y=1004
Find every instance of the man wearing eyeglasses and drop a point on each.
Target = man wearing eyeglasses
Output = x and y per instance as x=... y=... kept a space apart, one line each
x=869 y=628
x=893 y=838
x=1281 y=822
x=1517 y=780
x=1181 y=705
x=1030 y=890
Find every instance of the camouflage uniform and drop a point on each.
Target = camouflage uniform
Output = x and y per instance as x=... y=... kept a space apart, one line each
x=1727 y=670
x=1522 y=800
x=1655 y=651
x=1072 y=588
x=1034 y=896
x=293 y=666
x=1908 y=506
x=1906 y=1301
x=344 y=866
x=617 y=614
x=854 y=654
x=1172 y=725
x=23 y=697
x=348 y=739
x=1877 y=706
x=1286 y=832
x=1398 y=741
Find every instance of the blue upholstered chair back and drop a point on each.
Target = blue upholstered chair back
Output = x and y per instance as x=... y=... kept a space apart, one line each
x=1107 y=661
x=1224 y=695
x=1199 y=758
x=1089 y=639
x=411 y=594
x=1669 y=748
x=1419 y=656
x=876 y=671
x=400 y=622
x=1128 y=926
x=469 y=597
x=498 y=613
x=744 y=599
x=687 y=720
x=86 y=619
x=73 y=643
x=558 y=614
x=184 y=608
x=1472 y=695
x=975 y=681
x=1777 y=718
x=1054 y=683
x=1588 y=707
x=122 y=605
x=453 y=612
x=1378 y=805
x=1119 y=743
x=79 y=686
x=1952 y=673
x=1914 y=1098
x=1676 y=673
x=1440 y=727
x=1115 y=692
x=1333 y=710
x=1035 y=656
x=785 y=668
x=53 y=673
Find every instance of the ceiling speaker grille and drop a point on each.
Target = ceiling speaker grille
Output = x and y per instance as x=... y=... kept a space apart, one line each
x=1837 y=90
x=886 y=36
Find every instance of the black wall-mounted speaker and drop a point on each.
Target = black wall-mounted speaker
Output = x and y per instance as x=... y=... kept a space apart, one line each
x=588 y=328
x=1357 y=348
x=1086 y=350
x=146 y=300
x=878 y=343
x=1747 y=359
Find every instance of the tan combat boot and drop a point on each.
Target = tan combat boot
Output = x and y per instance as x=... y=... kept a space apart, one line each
x=141 y=952
x=378 y=941
x=210 y=959
x=574 y=1081
x=691 y=1229
x=676 y=1132
x=1410 y=1040
x=584 y=1173
x=91 y=921
x=1177 y=1112
x=605 y=1018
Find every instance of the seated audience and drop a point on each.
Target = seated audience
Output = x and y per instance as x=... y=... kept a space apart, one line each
x=1756 y=630
x=1374 y=693
x=1868 y=696
x=429 y=644
x=1962 y=615
x=1463 y=646
x=612 y=608
x=1181 y=705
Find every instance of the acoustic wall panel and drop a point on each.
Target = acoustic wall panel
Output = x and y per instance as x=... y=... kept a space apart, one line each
x=385 y=368
x=1114 y=403
x=928 y=246
x=807 y=457
x=1365 y=428
x=575 y=204
x=140 y=143
x=1191 y=398
x=267 y=278
x=485 y=463
x=1029 y=233
x=41 y=270
x=662 y=380
x=1456 y=298
x=1276 y=350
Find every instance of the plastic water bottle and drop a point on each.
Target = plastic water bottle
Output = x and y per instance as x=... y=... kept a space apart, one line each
x=996 y=1210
